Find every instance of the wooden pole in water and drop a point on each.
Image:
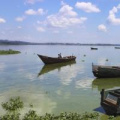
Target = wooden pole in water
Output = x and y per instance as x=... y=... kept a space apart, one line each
x=102 y=95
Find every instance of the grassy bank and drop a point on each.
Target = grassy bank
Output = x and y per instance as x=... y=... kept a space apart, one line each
x=14 y=105
x=7 y=52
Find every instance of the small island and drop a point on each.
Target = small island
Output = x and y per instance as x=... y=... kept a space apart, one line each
x=8 y=52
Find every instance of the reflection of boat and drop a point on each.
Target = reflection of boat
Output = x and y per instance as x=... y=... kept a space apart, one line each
x=110 y=101
x=107 y=83
x=106 y=71
x=92 y=48
x=49 y=67
x=51 y=60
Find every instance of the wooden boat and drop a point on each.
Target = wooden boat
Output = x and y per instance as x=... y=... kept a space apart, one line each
x=52 y=60
x=117 y=47
x=47 y=68
x=110 y=101
x=106 y=71
x=92 y=48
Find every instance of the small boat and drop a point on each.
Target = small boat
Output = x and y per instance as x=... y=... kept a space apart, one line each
x=106 y=71
x=92 y=48
x=52 y=60
x=48 y=68
x=110 y=101
x=117 y=47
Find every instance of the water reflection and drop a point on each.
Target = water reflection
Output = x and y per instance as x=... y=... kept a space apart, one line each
x=83 y=83
x=2 y=67
x=106 y=83
x=51 y=67
x=102 y=61
x=68 y=74
x=40 y=100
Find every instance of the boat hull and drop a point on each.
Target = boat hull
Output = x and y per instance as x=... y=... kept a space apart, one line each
x=110 y=110
x=52 y=60
x=117 y=47
x=94 y=48
x=106 y=71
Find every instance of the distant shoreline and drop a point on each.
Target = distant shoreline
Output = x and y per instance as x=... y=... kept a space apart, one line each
x=8 y=42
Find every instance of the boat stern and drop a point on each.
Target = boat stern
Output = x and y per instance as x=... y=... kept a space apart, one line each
x=110 y=101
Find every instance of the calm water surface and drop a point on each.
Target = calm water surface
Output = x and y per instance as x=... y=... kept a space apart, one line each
x=56 y=88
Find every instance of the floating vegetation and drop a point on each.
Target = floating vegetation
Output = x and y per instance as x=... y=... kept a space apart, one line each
x=31 y=115
x=10 y=51
x=9 y=116
x=83 y=60
x=15 y=104
x=106 y=59
x=31 y=105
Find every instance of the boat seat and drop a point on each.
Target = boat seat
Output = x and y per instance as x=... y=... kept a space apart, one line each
x=112 y=102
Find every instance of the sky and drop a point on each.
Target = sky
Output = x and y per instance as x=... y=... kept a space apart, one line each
x=61 y=21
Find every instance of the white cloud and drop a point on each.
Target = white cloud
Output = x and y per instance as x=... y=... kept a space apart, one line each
x=39 y=22
x=65 y=17
x=67 y=10
x=102 y=28
x=32 y=1
x=33 y=12
x=20 y=19
x=56 y=31
x=40 y=29
x=2 y=20
x=63 y=3
x=40 y=11
x=61 y=21
x=112 y=17
x=69 y=32
x=87 y=7
x=30 y=12
x=19 y=27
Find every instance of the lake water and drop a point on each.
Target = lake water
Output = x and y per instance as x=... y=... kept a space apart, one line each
x=56 y=88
